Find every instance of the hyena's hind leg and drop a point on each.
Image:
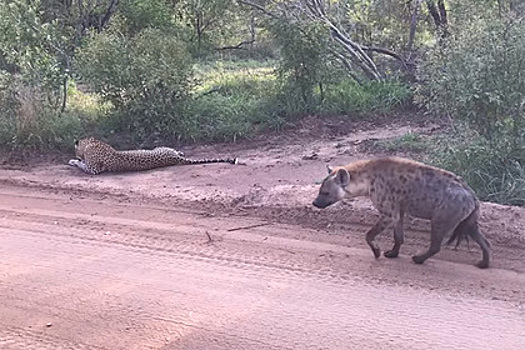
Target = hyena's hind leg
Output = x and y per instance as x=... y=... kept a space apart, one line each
x=470 y=228
x=484 y=244
x=399 y=238
x=441 y=226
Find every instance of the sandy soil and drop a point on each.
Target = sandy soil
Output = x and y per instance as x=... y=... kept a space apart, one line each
x=235 y=257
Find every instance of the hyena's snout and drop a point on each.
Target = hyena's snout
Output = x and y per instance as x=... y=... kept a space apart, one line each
x=320 y=203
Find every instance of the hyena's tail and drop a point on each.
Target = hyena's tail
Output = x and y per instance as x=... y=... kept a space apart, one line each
x=467 y=229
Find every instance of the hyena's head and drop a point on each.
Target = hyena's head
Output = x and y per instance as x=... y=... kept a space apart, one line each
x=333 y=187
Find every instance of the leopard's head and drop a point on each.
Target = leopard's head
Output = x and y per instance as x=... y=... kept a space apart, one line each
x=80 y=147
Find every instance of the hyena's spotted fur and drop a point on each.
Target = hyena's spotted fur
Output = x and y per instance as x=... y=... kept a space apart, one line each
x=400 y=186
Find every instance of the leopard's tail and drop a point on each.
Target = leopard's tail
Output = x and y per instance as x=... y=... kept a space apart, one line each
x=187 y=161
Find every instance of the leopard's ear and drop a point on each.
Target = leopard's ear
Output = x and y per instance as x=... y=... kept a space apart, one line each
x=76 y=142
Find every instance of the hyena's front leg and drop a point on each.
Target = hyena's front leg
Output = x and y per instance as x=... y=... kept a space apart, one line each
x=384 y=223
x=399 y=239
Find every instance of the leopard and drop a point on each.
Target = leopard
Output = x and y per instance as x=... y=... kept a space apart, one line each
x=95 y=157
x=398 y=186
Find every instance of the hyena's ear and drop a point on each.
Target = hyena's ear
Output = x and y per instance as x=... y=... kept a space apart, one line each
x=343 y=177
x=329 y=168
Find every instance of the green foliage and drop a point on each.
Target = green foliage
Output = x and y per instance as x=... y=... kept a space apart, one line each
x=138 y=15
x=32 y=75
x=311 y=81
x=375 y=22
x=479 y=76
x=239 y=98
x=220 y=118
x=410 y=142
x=146 y=78
x=30 y=45
x=212 y=23
x=348 y=97
x=26 y=121
x=8 y=111
x=303 y=65
x=232 y=102
x=494 y=170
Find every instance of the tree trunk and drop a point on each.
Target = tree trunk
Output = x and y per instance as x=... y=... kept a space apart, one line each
x=413 y=25
x=439 y=15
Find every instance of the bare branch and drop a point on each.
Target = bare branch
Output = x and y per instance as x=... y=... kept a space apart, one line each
x=236 y=47
x=109 y=13
x=258 y=7
x=442 y=12
x=364 y=60
x=210 y=240
x=349 y=50
x=385 y=52
x=347 y=65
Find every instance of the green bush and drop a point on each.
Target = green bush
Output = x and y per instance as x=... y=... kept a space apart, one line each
x=146 y=78
x=239 y=98
x=32 y=73
x=348 y=97
x=410 y=142
x=494 y=170
x=232 y=101
x=8 y=111
x=478 y=75
x=31 y=45
x=138 y=15
x=304 y=64
x=219 y=118
x=27 y=121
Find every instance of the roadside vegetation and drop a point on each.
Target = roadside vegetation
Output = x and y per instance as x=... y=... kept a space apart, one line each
x=182 y=71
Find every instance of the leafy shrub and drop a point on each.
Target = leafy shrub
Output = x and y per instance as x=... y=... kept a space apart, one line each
x=138 y=15
x=348 y=97
x=495 y=171
x=27 y=121
x=303 y=65
x=32 y=74
x=410 y=142
x=146 y=78
x=232 y=102
x=239 y=98
x=478 y=76
x=8 y=111
x=31 y=45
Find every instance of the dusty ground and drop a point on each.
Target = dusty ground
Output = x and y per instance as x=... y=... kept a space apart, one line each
x=234 y=257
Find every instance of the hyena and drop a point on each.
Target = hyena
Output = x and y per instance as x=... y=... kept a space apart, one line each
x=400 y=186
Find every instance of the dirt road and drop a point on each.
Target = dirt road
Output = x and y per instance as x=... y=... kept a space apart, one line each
x=180 y=258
